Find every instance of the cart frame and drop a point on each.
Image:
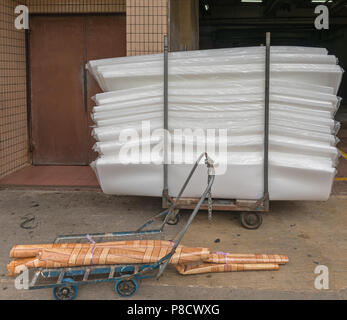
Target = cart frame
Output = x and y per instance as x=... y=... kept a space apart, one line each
x=125 y=276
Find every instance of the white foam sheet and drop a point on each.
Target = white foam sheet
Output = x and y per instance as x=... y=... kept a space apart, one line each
x=287 y=180
x=210 y=111
x=250 y=143
x=221 y=89
x=206 y=63
x=303 y=89
x=320 y=74
x=247 y=143
x=276 y=133
x=111 y=133
x=216 y=104
x=151 y=92
x=92 y=65
x=225 y=60
x=233 y=117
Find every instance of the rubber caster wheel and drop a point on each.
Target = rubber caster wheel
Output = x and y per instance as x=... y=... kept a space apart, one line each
x=175 y=218
x=251 y=220
x=126 y=288
x=65 y=292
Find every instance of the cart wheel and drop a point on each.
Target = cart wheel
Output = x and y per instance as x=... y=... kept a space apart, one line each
x=126 y=288
x=251 y=220
x=175 y=218
x=65 y=292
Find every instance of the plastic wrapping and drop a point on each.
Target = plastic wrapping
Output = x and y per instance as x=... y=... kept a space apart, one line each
x=225 y=60
x=320 y=74
x=229 y=119
x=240 y=144
x=112 y=147
x=111 y=132
x=298 y=177
x=220 y=89
x=205 y=88
x=92 y=65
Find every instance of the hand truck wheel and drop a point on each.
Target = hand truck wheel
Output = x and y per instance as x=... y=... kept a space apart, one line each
x=65 y=292
x=175 y=218
x=126 y=288
x=251 y=220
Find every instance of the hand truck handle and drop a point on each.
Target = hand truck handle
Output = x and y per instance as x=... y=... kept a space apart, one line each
x=165 y=260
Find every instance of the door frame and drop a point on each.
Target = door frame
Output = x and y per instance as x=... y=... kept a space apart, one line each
x=28 y=68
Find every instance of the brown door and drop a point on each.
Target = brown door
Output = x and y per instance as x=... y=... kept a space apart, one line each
x=60 y=88
x=105 y=38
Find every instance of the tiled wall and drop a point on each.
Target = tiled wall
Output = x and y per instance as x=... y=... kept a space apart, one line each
x=147 y=22
x=75 y=6
x=13 y=104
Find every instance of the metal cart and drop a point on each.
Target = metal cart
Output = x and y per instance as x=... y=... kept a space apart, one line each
x=250 y=210
x=65 y=281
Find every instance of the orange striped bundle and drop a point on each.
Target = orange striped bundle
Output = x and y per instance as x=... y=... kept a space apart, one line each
x=88 y=255
x=221 y=257
x=85 y=256
x=32 y=250
x=187 y=260
x=16 y=266
x=211 y=268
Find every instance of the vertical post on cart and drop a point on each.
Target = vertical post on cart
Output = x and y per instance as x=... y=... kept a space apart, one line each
x=166 y=116
x=266 y=119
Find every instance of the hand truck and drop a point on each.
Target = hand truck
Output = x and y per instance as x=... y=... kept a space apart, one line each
x=65 y=281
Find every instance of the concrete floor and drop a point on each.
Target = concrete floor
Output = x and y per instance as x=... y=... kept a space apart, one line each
x=310 y=233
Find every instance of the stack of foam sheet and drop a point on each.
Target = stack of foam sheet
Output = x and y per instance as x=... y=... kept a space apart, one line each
x=220 y=91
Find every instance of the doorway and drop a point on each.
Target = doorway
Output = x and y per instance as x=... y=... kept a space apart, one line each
x=61 y=88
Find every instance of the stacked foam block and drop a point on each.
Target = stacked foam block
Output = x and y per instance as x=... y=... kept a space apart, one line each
x=221 y=90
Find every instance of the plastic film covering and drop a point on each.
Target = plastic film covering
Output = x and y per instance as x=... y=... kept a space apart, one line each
x=222 y=90
x=320 y=74
x=92 y=65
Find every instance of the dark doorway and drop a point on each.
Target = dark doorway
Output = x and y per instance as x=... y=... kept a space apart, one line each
x=235 y=23
x=61 y=89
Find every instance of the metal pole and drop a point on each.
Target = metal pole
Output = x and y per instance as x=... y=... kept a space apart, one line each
x=266 y=120
x=166 y=113
x=189 y=222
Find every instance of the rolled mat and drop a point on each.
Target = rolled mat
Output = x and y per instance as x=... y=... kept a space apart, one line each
x=188 y=260
x=83 y=256
x=223 y=257
x=32 y=250
x=213 y=268
x=17 y=266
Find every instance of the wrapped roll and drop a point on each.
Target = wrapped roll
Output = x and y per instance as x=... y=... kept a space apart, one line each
x=222 y=257
x=212 y=268
x=106 y=255
x=32 y=250
x=85 y=256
